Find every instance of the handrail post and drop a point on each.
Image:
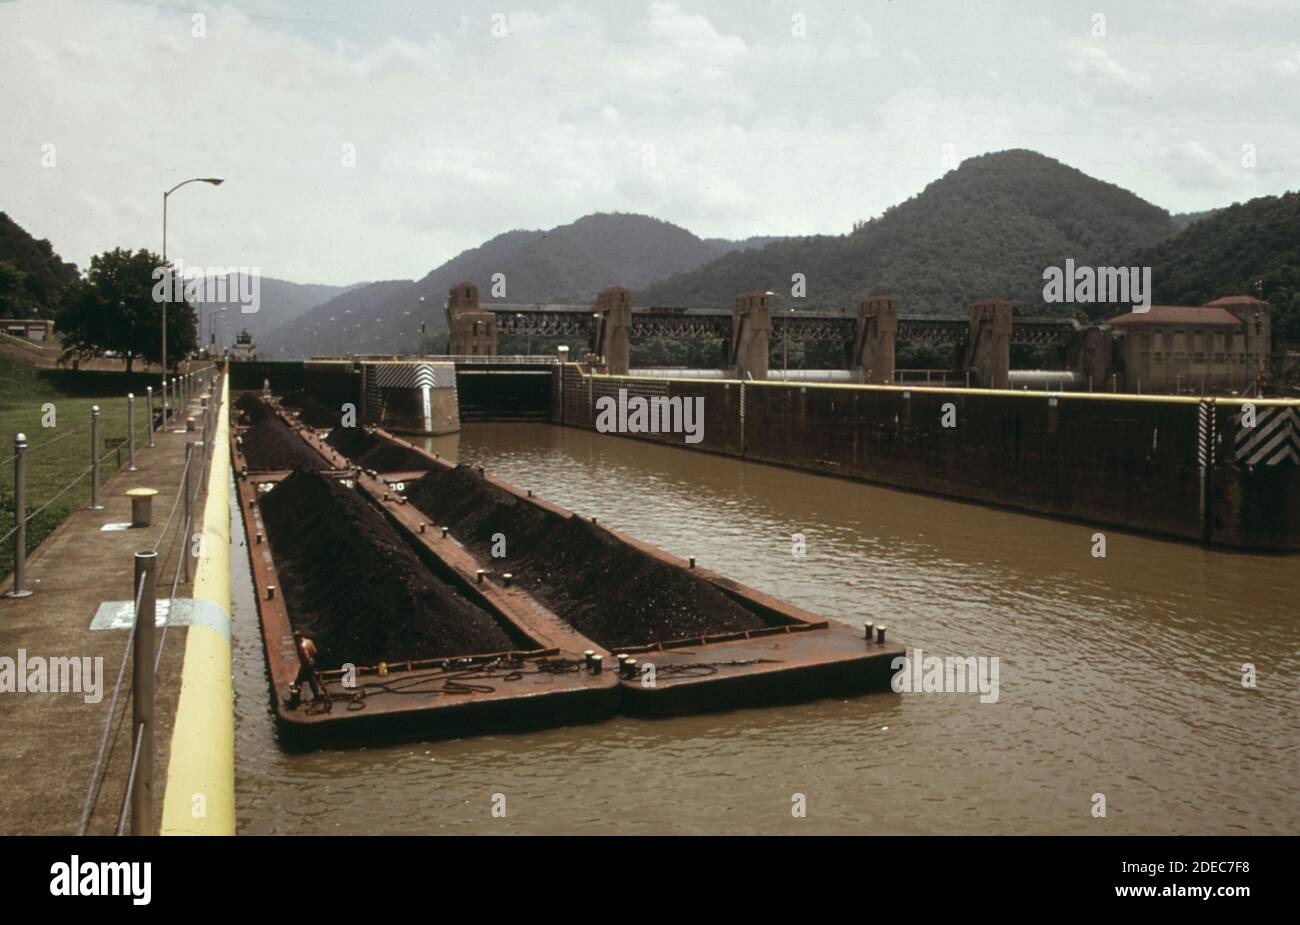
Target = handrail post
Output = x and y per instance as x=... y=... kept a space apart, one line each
x=130 y=432
x=186 y=526
x=94 y=459
x=20 y=518
x=142 y=691
x=149 y=399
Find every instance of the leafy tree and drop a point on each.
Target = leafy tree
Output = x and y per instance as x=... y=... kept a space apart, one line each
x=42 y=275
x=1250 y=248
x=12 y=290
x=114 y=308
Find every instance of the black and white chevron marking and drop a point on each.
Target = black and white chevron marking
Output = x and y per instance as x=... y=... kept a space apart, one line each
x=407 y=375
x=1205 y=434
x=1274 y=440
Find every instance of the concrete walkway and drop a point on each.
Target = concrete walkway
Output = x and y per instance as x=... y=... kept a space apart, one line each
x=51 y=740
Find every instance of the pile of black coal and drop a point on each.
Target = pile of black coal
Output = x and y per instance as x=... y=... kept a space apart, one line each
x=250 y=409
x=272 y=444
x=608 y=590
x=354 y=585
x=371 y=451
x=310 y=411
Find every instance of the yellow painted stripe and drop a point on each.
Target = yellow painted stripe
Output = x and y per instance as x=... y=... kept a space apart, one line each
x=200 y=796
x=960 y=392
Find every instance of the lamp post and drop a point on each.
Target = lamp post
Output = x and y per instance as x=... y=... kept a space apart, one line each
x=215 y=181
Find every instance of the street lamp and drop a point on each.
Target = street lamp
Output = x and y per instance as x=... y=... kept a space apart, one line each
x=215 y=181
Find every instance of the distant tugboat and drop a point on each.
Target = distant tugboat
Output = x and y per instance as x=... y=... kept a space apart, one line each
x=244 y=349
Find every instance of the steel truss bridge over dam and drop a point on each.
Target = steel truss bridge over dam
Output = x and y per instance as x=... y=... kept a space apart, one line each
x=689 y=324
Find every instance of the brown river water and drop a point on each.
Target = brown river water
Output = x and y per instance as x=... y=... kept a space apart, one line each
x=1118 y=676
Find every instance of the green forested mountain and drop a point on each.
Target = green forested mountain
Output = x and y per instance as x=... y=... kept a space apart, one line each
x=31 y=275
x=1250 y=248
x=985 y=230
x=569 y=263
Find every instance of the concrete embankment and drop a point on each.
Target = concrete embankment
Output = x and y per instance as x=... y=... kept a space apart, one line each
x=1210 y=470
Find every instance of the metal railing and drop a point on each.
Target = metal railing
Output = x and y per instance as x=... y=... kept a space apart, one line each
x=144 y=653
x=173 y=547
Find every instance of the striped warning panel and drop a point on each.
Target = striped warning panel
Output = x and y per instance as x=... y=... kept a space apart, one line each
x=412 y=375
x=1273 y=440
x=1205 y=433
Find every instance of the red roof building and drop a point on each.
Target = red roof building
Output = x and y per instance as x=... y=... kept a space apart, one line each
x=1220 y=346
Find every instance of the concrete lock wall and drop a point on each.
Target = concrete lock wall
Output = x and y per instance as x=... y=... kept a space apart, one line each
x=284 y=375
x=333 y=383
x=1126 y=461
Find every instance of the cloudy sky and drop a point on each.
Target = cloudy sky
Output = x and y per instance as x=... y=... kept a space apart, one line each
x=376 y=139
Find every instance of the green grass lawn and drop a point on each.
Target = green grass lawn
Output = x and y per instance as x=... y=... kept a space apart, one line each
x=56 y=455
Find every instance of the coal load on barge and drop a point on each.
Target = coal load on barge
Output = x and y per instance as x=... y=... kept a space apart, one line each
x=271 y=445
x=355 y=587
x=614 y=593
x=606 y=613
x=310 y=411
x=367 y=450
x=366 y=641
x=686 y=639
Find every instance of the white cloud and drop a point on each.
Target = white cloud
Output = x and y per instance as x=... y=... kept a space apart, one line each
x=460 y=135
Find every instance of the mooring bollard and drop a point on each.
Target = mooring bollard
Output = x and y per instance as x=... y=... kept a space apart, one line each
x=186 y=526
x=149 y=401
x=869 y=630
x=146 y=576
x=94 y=459
x=20 y=517
x=130 y=431
x=141 y=506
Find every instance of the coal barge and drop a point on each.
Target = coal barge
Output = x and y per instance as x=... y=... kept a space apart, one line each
x=664 y=636
x=366 y=639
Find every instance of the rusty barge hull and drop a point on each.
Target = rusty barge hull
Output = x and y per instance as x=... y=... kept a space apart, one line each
x=800 y=656
x=536 y=685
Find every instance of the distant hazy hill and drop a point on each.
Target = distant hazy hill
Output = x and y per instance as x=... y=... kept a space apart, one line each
x=1229 y=253
x=31 y=274
x=280 y=303
x=334 y=326
x=570 y=263
x=985 y=230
